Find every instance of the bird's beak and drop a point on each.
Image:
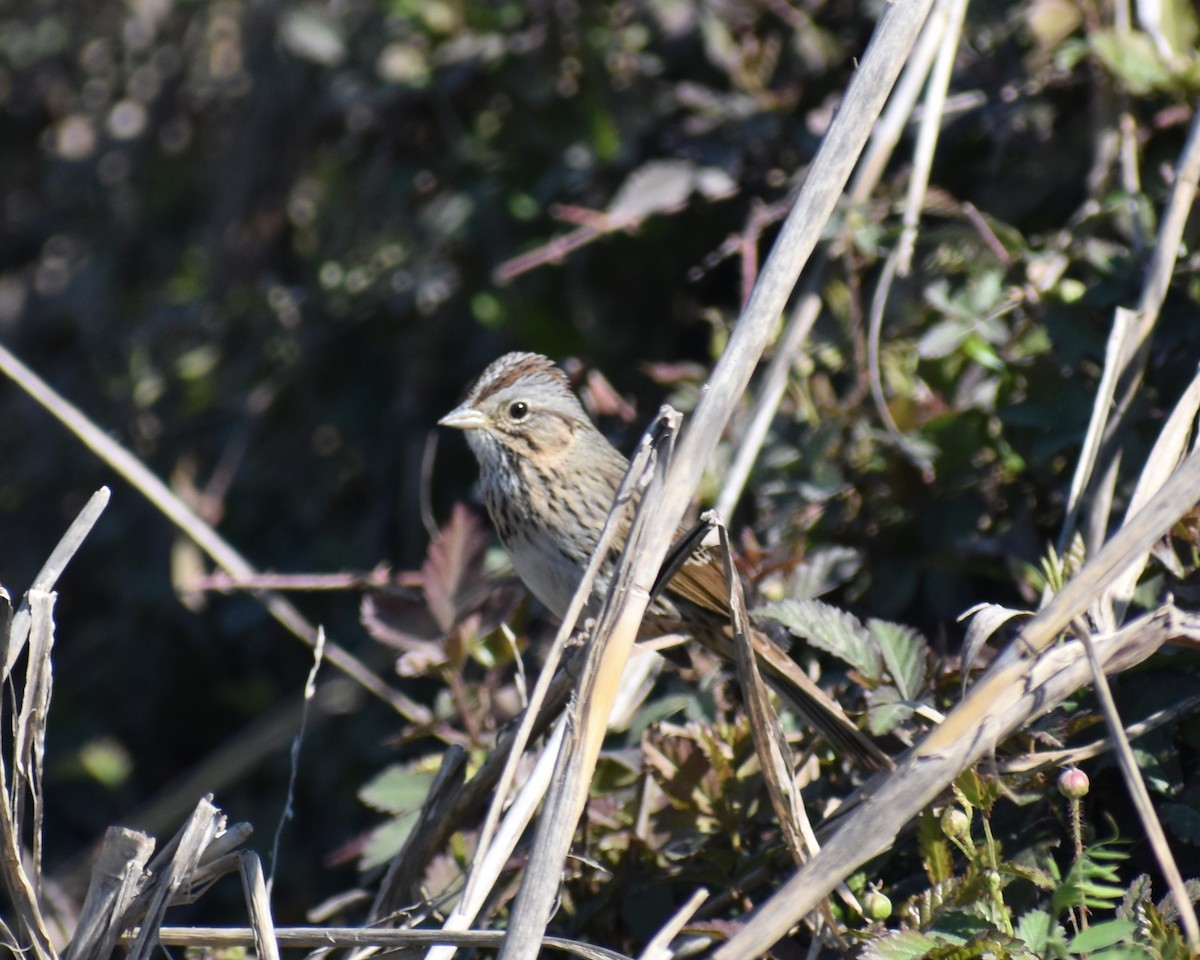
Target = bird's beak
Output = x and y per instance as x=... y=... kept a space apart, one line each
x=464 y=417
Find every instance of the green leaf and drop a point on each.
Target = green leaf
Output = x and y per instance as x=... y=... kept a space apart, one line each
x=900 y=945
x=823 y=570
x=959 y=926
x=979 y=791
x=1102 y=935
x=832 y=630
x=385 y=841
x=398 y=789
x=1132 y=56
x=1034 y=929
x=942 y=339
x=983 y=354
x=887 y=710
x=903 y=650
x=1092 y=880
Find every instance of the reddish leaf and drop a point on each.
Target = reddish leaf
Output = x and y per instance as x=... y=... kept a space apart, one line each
x=453 y=568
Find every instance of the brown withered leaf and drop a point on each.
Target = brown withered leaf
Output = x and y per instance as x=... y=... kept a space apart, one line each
x=453 y=596
x=602 y=399
x=398 y=617
x=453 y=569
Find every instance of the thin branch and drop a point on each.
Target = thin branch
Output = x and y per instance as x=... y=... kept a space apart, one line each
x=310 y=692
x=1055 y=759
x=331 y=937
x=927 y=136
x=202 y=533
x=1141 y=796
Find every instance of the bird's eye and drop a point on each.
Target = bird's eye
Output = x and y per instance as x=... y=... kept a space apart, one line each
x=518 y=410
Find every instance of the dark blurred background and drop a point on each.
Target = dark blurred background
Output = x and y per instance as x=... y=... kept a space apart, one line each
x=255 y=242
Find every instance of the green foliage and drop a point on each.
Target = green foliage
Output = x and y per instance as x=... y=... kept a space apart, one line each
x=889 y=659
x=983 y=911
x=398 y=791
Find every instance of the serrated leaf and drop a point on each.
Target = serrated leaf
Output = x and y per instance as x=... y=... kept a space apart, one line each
x=397 y=789
x=887 y=710
x=1138 y=893
x=1034 y=928
x=1166 y=906
x=959 y=926
x=903 y=650
x=900 y=945
x=1102 y=935
x=832 y=630
x=1042 y=879
x=979 y=791
x=824 y=570
x=453 y=567
x=935 y=848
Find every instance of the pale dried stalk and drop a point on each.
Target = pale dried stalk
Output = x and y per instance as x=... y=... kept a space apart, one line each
x=900 y=260
x=118 y=875
x=770 y=743
x=1101 y=407
x=481 y=876
x=22 y=883
x=1165 y=455
x=486 y=870
x=607 y=652
x=893 y=39
x=927 y=136
x=258 y=902
x=173 y=868
x=1136 y=347
x=48 y=576
x=658 y=946
x=325 y=938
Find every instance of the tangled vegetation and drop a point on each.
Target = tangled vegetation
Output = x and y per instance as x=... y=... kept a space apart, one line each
x=263 y=247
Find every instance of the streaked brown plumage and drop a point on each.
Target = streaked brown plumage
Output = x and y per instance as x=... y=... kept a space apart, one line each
x=549 y=477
